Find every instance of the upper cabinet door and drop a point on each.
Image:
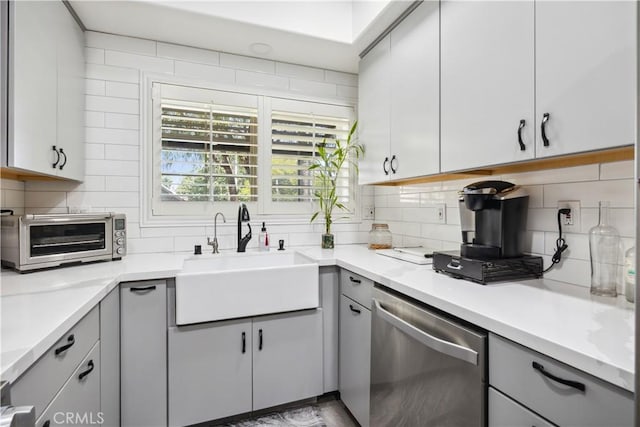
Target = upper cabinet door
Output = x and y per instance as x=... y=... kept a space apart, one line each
x=33 y=85
x=373 y=112
x=487 y=83
x=415 y=93
x=585 y=75
x=71 y=97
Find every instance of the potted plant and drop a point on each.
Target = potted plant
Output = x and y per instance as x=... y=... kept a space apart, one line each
x=327 y=166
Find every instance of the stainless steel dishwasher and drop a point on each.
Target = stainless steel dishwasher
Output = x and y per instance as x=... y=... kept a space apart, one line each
x=426 y=369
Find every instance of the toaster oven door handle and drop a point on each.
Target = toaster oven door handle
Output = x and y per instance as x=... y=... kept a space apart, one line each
x=79 y=242
x=63 y=219
x=441 y=346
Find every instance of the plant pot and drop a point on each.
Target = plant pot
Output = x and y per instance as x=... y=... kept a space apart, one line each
x=327 y=241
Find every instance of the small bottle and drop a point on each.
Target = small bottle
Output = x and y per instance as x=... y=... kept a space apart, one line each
x=604 y=244
x=263 y=239
x=630 y=274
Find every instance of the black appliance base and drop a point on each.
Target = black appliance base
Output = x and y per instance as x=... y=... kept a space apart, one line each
x=487 y=270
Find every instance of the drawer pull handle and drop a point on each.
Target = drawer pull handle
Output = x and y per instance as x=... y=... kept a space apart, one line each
x=55 y=150
x=384 y=166
x=355 y=310
x=46 y=423
x=354 y=280
x=260 y=340
x=144 y=289
x=65 y=159
x=543 y=129
x=520 y=127
x=574 y=384
x=87 y=372
x=70 y=342
x=244 y=342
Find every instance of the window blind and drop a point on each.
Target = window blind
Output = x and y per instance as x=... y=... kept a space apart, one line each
x=295 y=138
x=209 y=152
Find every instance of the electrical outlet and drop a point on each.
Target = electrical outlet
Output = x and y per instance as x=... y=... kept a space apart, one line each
x=441 y=213
x=368 y=212
x=571 y=222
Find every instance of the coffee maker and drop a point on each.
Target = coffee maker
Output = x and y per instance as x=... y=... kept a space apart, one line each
x=493 y=219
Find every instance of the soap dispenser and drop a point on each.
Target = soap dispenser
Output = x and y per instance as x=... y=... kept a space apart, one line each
x=263 y=239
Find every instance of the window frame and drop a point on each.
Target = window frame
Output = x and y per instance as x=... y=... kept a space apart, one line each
x=264 y=208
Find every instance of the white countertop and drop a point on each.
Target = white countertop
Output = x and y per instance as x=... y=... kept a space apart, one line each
x=563 y=321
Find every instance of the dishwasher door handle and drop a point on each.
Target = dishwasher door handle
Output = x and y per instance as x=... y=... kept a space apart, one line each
x=445 y=347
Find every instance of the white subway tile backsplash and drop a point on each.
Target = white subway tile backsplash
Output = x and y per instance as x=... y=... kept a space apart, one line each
x=12 y=199
x=103 y=199
x=94 y=119
x=347 y=92
x=229 y=60
x=122 y=90
x=112 y=168
x=112 y=105
x=619 y=192
x=45 y=199
x=617 y=170
x=94 y=151
x=122 y=121
x=249 y=78
x=190 y=54
x=121 y=43
x=122 y=183
x=299 y=71
x=207 y=73
x=109 y=72
x=139 y=62
x=345 y=79
x=150 y=245
x=93 y=55
x=94 y=87
x=112 y=136
x=121 y=152
x=308 y=87
x=554 y=176
x=11 y=184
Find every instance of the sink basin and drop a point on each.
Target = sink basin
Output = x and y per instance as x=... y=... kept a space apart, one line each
x=217 y=287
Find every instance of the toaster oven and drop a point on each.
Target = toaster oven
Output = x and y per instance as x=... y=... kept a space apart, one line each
x=31 y=242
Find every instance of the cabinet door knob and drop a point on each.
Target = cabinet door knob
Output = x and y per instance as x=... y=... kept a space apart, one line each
x=543 y=132
x=520 y=127
x=55 y=150
x=538 y=367
x=87 y=372
x=64 y=162
x=384 y=166
x=70 y=342
x=394 y=170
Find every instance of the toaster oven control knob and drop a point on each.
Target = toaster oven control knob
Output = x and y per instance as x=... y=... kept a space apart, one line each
x=120 y=251
x=119 y=233
x=120 y=241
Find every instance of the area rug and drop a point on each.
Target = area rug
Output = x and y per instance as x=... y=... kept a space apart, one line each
x=306 y=416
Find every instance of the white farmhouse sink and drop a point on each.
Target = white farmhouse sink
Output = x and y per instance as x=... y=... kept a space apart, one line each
x=217 y=287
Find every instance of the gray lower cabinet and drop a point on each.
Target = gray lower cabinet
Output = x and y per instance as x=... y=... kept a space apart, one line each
x=557 y=392
x=209 y=371
x=287 y=357
x=110 y=359
x=143 y=359
x=355 y=358
x=330 y=300
x=504 y=412
x=78 y=402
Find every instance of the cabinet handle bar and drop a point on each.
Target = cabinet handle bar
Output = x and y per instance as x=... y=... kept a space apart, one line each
x=70 y=342
x=575 y=384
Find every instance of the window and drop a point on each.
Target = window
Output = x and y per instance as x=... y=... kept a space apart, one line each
x=212 y=149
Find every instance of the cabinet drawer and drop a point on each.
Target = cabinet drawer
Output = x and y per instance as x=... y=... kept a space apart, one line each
x=356 y=287
x=44 y=379
x=511 y=371
x=78 y=402
x=504 y=412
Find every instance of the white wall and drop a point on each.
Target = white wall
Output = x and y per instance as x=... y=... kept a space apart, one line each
x=12 y=195
x=112 y=181
x=411 y=215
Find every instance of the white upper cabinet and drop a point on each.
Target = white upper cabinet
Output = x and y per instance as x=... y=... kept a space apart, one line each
x=415 y=94
x=585 y=75
x=487 y=83
x=46 y=90
x=374 y=121
x=399 y=100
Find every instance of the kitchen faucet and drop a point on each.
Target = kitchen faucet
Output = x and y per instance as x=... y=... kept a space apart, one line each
x=243 y=216
x=214 y=243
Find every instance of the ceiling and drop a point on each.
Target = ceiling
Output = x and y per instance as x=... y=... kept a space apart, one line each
x=319 y=33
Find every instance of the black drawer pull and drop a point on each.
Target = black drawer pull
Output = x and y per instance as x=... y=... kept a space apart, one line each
x=354 y=280
x=55 y=150
x=543 y=129
x=70 y=342
x=146 y=288
x=87 y=372
x=260 y=339
x=46 y=423
x=355 y=310
x=384 y=166
x=244 y=343
x=574 y=384
x=65 y=159
x=522 y=124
